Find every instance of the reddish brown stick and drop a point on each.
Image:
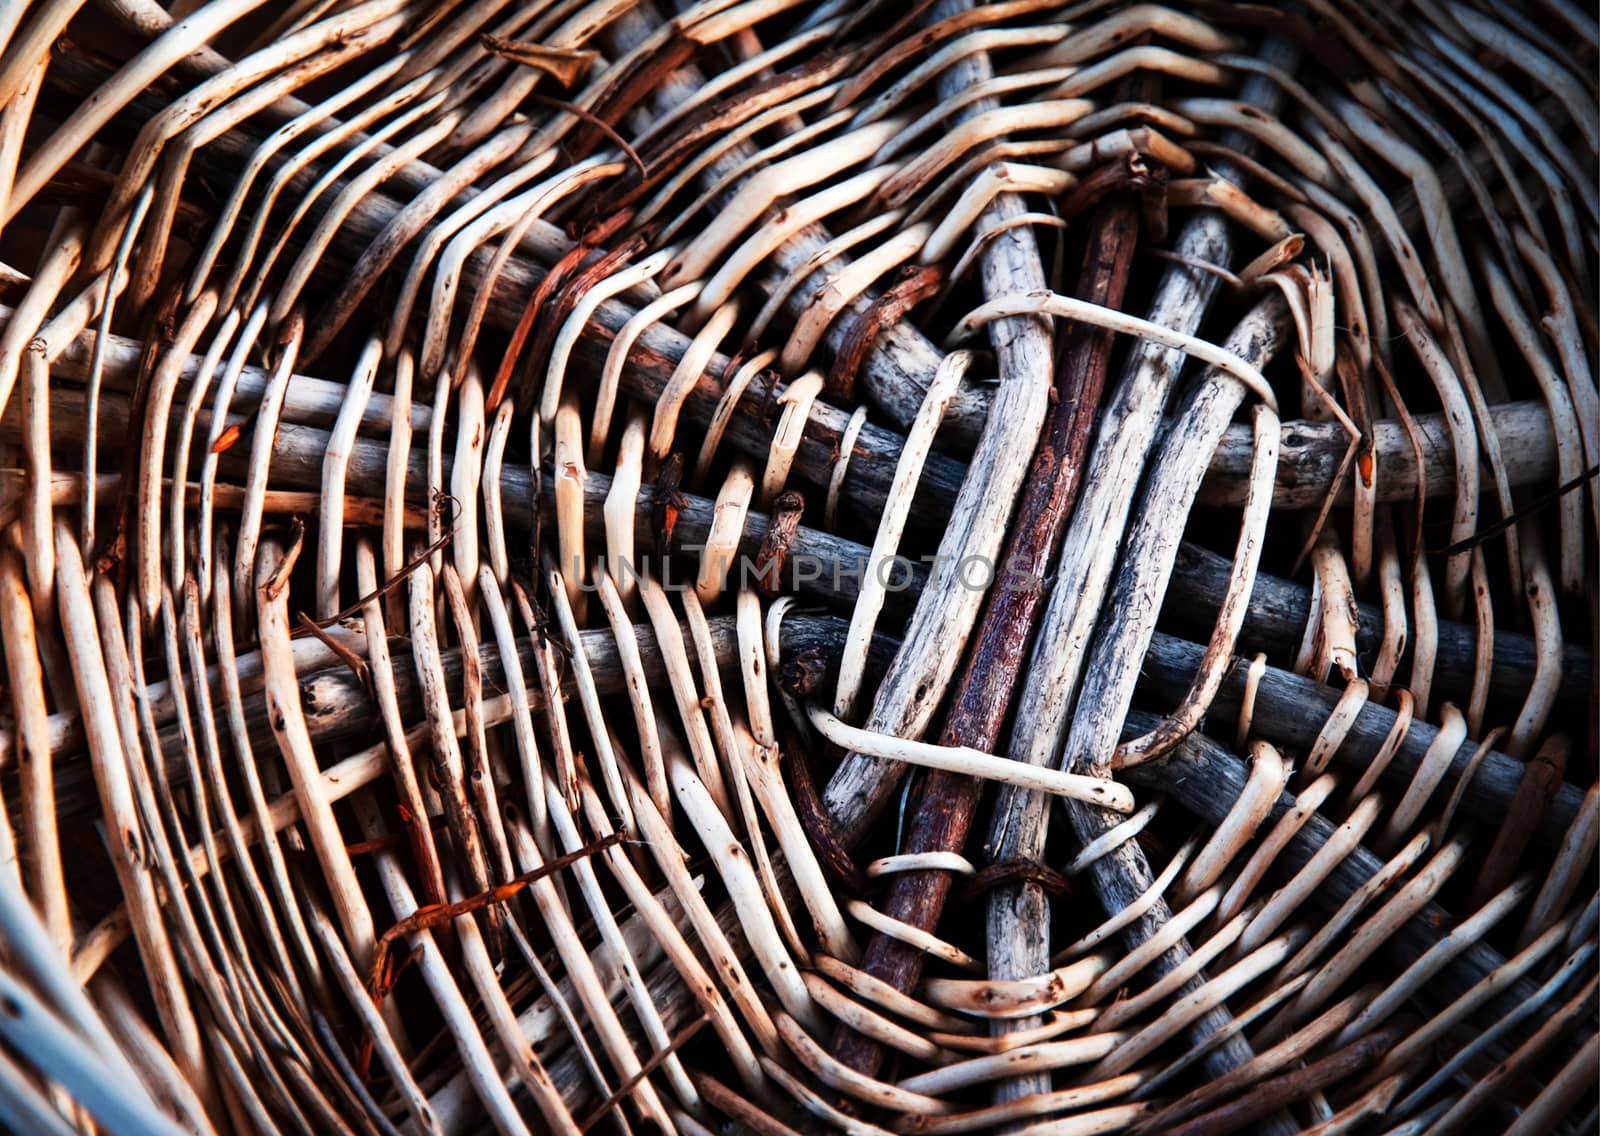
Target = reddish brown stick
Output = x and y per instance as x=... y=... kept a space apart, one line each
x=916 y=284
x=942 y=812
x=571 y=293
x=385 y=971
x=552 y=283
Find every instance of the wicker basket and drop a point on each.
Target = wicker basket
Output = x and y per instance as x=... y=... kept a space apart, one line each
x=559 y=559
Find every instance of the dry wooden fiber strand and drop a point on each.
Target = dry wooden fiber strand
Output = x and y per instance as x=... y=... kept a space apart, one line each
x=790 y=565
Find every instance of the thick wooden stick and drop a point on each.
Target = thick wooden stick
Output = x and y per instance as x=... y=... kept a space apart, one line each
x=1310 y=454
x=1121 y=639
x=946 y=610
x=1291 y=711
x=937 y=633
x=1279 y=610
x=337 y=707
x=1152 y=546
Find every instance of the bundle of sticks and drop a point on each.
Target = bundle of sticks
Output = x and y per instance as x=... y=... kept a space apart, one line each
x=933 y=568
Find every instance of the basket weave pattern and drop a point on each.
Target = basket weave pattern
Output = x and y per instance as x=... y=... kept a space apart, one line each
x=914 y=568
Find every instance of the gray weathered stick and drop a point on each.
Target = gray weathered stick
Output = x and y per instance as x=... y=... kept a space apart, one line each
x=1279 y=609
x=337 y=707
x=1291 y=711
x=1310 y=454
x=1124 y=634
x=1129 y=621
x=1024 y=352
